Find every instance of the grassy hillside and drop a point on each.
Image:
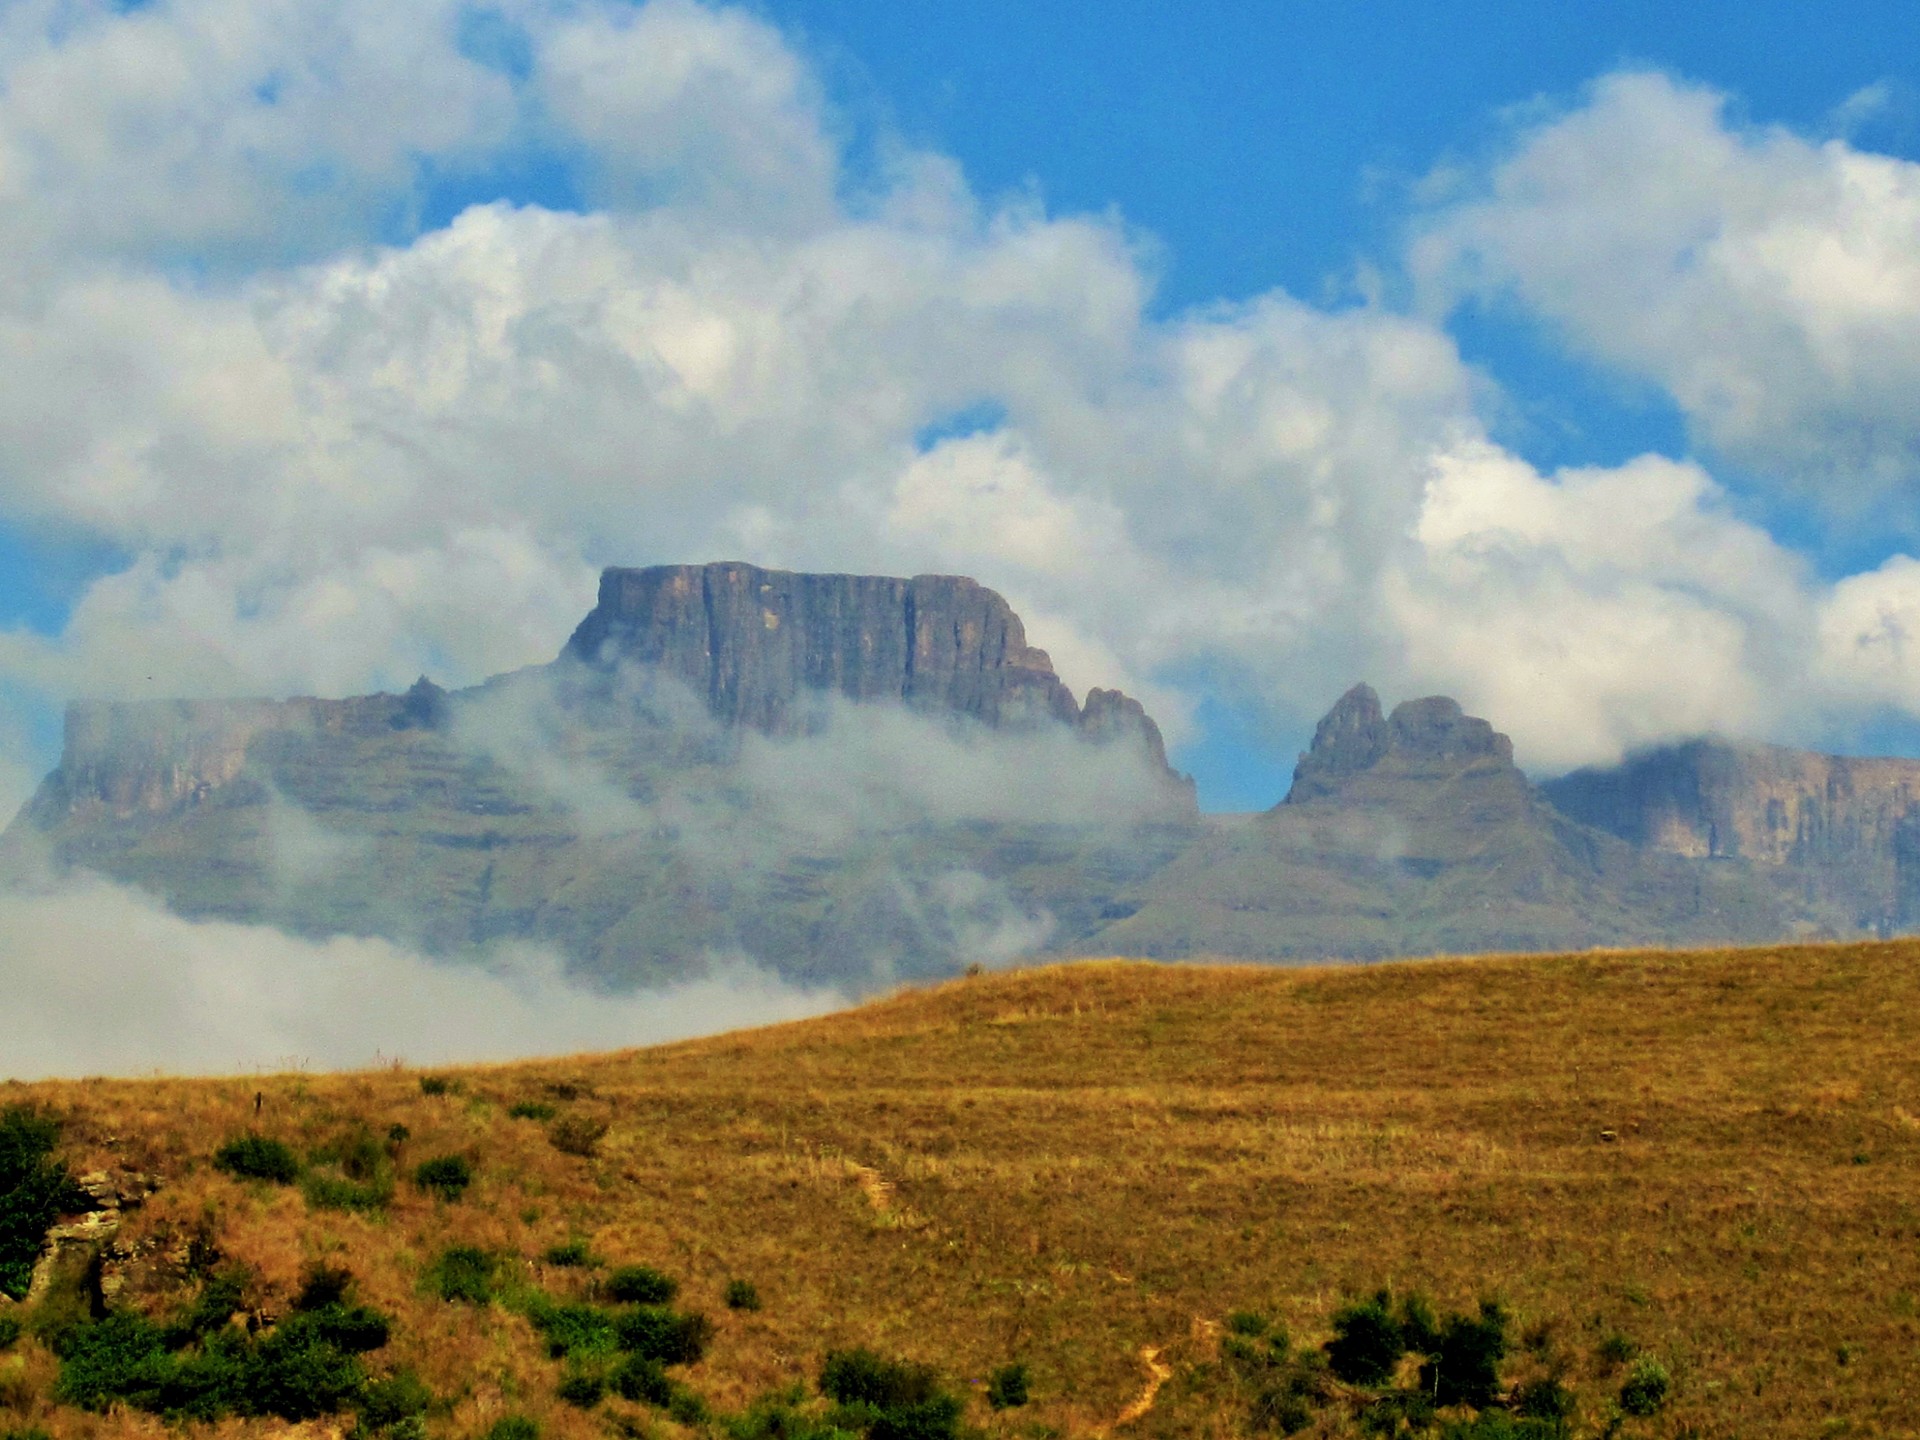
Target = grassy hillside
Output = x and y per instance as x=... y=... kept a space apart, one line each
x=1709 y=1159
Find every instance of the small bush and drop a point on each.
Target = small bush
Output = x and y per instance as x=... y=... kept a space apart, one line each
x=463 y=1274
x=35 y=1190
x=576 y=1331
x=1248 y=1323
x=9 y=1331
x=1645 y=1391
x=741 y=1295
x=391 y=1403
x=322 y=1285
x=688 y=1408
x=513 y=1427
x=860 y=1377
x=1007 y=1387
x=435 y=1085
x=397 y=1135
x=1367 y=1343
x=640 y=1285
x=1544 y=1399
x=572 y=1254
x=577 y=1135
x=641 y=1379
x=447 y=1176
x=665 y=1335
x=582 y=1388
x=32 y=1432
x=258 y=1157
x=531 y=1110
x=1464 y=1368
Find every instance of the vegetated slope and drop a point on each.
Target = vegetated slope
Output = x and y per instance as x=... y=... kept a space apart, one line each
x=1708 y=1158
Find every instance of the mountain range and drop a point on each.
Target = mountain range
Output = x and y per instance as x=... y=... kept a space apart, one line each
x=859 y=779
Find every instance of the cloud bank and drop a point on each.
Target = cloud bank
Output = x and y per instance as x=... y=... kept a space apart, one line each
x=101 y=979
x=346 y=431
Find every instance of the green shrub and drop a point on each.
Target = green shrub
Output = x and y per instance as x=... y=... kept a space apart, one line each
x=1464 y=1367
x=640 y=1379
x=1367 y=1342
x=574 y=1253
x=397 y=1135
x=665 y=1335
x=396 y=1404
x=686 y=1407
x=304 y=1367
x=1248 y=1323
x=583 y=1388
x=1544 y=1399
x=1645 y=1391
x=779 y=1416
x=513 y=1427
x=435 y=1085
x=860 y=1377
x=31 y=1432
x=447 y=1176
x=463 y=1273
x=531 y=1110
x=35 y=1190
x=1007 y=1387
x=640 y=1285
x=322 y=1285
x=9 y=1331
x=742 y=1295
x=578 y=1331
x=258 y=1157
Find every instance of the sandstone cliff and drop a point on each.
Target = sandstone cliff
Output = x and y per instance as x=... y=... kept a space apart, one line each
x=1830 y=823
x=762 y=648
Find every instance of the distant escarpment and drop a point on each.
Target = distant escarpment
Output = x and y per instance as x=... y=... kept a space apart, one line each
x=1842 y=830
x=852 y=779
x=856 y=780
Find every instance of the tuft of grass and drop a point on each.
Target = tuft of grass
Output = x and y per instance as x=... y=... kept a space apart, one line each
x=742 y=1295
x=531 y=1110
x=571 y=1254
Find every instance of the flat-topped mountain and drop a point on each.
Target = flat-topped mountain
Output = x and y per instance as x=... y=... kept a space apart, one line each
x=856 y=779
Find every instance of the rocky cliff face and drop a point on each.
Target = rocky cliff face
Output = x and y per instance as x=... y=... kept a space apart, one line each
x=760 y=647
x=1833 y=821
x=758 y=644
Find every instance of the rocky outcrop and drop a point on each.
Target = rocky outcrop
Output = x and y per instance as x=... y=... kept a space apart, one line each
x=1834 y=820
x=759 y=645
x=1422 y=737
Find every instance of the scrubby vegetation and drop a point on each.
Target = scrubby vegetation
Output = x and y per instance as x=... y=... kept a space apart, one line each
x=1033 y=1204
x=35 y=1188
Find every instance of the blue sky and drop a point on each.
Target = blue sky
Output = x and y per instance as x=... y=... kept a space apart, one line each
x=1251 y=349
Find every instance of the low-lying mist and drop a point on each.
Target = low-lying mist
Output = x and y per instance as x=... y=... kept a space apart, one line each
x=102 y=979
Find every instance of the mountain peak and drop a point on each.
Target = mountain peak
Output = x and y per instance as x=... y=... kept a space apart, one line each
x=1420 y=736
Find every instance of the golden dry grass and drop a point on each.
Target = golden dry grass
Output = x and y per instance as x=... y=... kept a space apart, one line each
x=1087 y=1167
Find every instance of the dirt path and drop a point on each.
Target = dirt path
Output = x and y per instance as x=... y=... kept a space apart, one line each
x=1157 y=1375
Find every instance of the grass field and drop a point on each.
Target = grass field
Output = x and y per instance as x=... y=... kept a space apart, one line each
x=1712 y=1157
